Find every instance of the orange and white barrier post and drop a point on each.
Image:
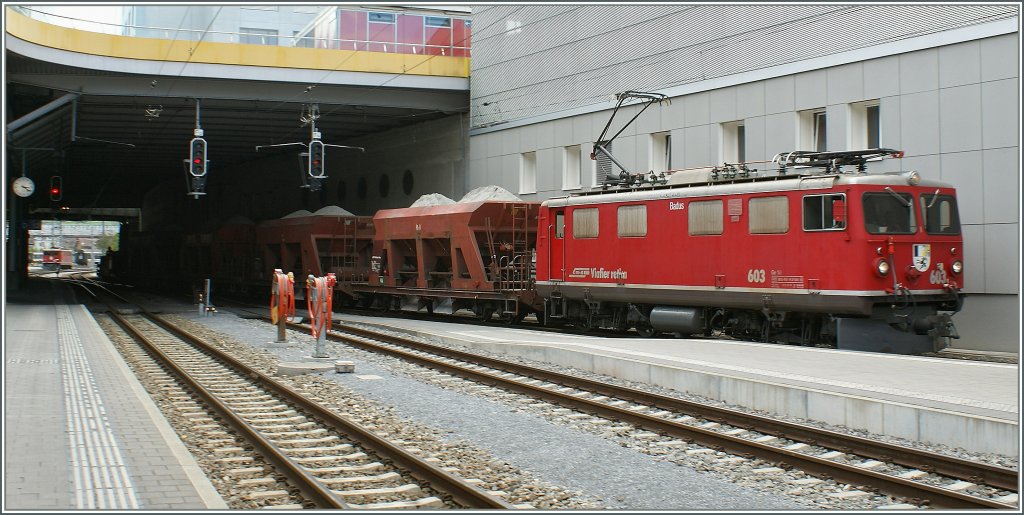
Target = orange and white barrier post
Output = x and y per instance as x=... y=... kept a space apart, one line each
x=282 y=301
x=319 y=302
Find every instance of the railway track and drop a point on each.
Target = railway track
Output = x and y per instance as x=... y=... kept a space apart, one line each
x=314 y=458
x=920 y=477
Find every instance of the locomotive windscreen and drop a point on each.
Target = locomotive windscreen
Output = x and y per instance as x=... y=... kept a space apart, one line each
x=889 y=213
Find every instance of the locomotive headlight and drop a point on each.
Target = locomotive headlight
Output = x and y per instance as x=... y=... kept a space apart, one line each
x=957 y=267
x=913 y=178
x=882 y=266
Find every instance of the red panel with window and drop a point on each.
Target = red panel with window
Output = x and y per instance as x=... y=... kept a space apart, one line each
x=410 y=34
x=461 y=32
x=353 y=30
x=437 y=31
x=381 y=31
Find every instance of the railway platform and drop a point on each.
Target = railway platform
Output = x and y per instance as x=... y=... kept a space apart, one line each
x=968 y=404
x=80 y=432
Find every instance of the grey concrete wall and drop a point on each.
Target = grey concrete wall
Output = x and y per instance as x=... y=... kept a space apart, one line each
x=953 y=109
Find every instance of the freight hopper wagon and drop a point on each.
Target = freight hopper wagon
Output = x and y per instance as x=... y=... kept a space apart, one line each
x=476 y=256
x=330 y=240
x=804 y=255
x=149 y=259
x=234 y=261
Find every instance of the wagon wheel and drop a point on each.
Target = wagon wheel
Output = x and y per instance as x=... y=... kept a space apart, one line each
x=646 y=331
x=514 y=319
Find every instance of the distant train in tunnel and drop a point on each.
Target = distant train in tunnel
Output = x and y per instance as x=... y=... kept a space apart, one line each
x=805 y=254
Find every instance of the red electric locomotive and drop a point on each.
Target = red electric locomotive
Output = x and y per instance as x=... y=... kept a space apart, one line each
x=56 y=259
x=861 y=261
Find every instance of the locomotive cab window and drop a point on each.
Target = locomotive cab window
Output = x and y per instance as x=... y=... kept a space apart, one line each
x=889 y=212
x=939 y=214
x=560 y=224
x=825 y=212
x=584 y=223
x=632 y=221
x=705 y=217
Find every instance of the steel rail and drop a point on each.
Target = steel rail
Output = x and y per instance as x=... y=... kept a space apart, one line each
x=461 y=491
x=309 y=485
x=892 y=485
x=995 y=476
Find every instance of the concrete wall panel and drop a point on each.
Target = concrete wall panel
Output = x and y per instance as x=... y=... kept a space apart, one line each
x=964 y=170
x=780 y=133
x=779 y=95
x=563 y=132
x=1000 y=57
x=698 y=147
x=919 y=114
x=960 y=64
x=750 y=100
x=1002 y=185
x=697 y=109
x=810 y=90
x=889 y=123
x=846 y=83
x=1002 y=261
x=919 y=71
x=722 y=103
x=882 y=77
x=1000 y=108
x=960 y=118
x=755 y=141
x=974 y=258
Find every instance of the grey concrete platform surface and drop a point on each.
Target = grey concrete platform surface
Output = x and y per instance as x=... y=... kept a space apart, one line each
x=80 y=432
x=966 y=404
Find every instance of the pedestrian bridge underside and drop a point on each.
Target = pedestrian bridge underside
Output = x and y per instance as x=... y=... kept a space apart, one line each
x=102 y=104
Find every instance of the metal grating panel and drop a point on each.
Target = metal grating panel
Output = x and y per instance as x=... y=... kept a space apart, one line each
x=534 y=60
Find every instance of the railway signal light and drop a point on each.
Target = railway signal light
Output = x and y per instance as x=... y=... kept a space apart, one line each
x=197 y=157
x=56 y=188
x=316 y=158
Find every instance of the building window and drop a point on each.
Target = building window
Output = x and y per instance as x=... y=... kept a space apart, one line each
x=253 y=36
x=660 y=149
x=437 y=21
x=381 y=17
x=768 y=215
x=632 y=221
x=705 y=217
x=528 y=172
x=584 y=223
x=734 y=142
x=824 y=212
x=571 y=170
x=864 y=125
x=813 y=130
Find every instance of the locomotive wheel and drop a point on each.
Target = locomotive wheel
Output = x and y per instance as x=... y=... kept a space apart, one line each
x=646 y=331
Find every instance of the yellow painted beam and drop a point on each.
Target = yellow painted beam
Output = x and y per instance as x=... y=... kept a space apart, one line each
x=108 y=45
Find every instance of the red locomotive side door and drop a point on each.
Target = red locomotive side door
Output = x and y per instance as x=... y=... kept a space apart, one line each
x=556 y=253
